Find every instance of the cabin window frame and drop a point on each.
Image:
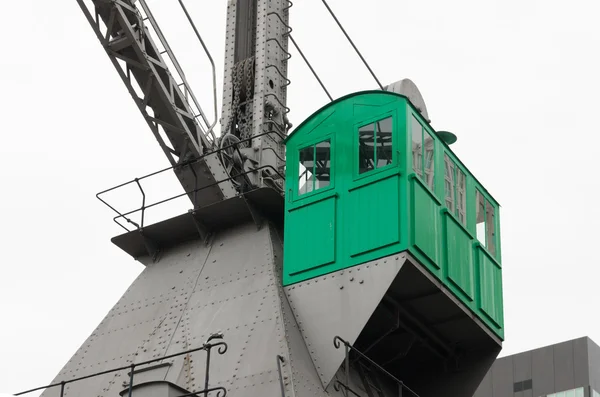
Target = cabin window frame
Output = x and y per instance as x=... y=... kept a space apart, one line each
x=355 y=143
x=493 y=250
x=313 y=143
x=455 y=210
x=435 y=167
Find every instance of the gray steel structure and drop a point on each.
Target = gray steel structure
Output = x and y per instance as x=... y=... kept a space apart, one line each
x=254 y=114
x=282 y=340
x=215 y=272
x=572 y=366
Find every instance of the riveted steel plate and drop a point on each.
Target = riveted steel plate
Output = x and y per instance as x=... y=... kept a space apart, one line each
x=339 y=304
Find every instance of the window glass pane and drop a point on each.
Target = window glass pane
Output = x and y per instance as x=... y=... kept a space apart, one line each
x=366 y=154
x=570 y=393
x=323 y=165
x=384 y=142
x=417 y=149
x=480 y=218
x=461 y=196
x=305 y=182
x=490 y=229
x=429 y=157
x=595 y=393
x=449 y=187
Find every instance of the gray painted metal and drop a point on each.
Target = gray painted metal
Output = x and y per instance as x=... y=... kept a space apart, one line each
x=594 y=363
x=551 y=369
x=258 y=30
x=339 y=304
x=163 y=95
x=581 y=367
x=409 y=89
x=155 y=389
x=231 y=285
x=230 y=40
x=563 y=366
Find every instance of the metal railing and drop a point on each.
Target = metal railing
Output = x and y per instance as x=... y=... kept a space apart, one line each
x=338 y=342
x=144 y=206
x=208 y=346
x=212 y=63
x=183 y=84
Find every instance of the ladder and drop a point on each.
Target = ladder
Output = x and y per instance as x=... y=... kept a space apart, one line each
x=157 y=84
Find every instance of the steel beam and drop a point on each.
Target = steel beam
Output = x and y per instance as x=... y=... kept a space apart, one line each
x=168 y=105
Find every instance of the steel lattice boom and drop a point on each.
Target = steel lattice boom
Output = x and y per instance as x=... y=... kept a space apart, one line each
x=161 y=93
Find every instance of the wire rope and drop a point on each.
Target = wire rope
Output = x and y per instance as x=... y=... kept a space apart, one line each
x=352 y=43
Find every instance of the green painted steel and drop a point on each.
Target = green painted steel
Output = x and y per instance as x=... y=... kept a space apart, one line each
x=367 y=177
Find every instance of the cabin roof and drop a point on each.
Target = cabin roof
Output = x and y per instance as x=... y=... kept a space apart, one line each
x=416 y=111
x=335 y=102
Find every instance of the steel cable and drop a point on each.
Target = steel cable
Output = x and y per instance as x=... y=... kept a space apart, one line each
x=310 y=67
x=352 y=43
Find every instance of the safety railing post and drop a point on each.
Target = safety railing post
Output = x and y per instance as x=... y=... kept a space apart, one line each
x=220 y=390
x=143 y=201
x=131 y=380
x=280 y=360
x=196 y=189
x=337 y=342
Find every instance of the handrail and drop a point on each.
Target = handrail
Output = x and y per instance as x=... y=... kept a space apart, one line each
x=214 y=69
x=207 y=346
x=184 y=164
x=280 y=360
x=185 y=193
x=337 y=342
x=178 y=68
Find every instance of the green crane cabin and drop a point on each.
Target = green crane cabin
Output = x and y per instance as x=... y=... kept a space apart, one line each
x=369 y=185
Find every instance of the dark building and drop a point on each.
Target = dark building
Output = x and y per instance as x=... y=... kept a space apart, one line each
x=568 y=369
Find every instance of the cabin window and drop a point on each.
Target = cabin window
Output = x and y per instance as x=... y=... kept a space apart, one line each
x=423 y=153
x=454 y=188
x=486 y=223
x=375 y=145
x=571 y=393
x=449 y=184
x=429 y=160
x=314 y=167
x=461 y=196
x=417 y=146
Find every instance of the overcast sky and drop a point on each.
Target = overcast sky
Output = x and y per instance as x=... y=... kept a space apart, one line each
x=516 y=80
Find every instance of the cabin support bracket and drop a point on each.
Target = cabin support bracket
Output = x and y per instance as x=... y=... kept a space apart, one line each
x=203 y=231
x=413 y=325
x=151 y=247
x=256 y=215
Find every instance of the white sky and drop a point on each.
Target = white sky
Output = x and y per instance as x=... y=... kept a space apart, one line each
x=516 y=80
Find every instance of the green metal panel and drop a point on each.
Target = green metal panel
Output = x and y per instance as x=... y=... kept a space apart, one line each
x=459 y=256
x=369 y=213
x=426 y=223
x=490 y=280
x=367 y=204
x=312 y=244
x=374 y=222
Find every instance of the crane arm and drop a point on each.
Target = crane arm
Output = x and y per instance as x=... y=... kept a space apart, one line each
x=141 y=55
